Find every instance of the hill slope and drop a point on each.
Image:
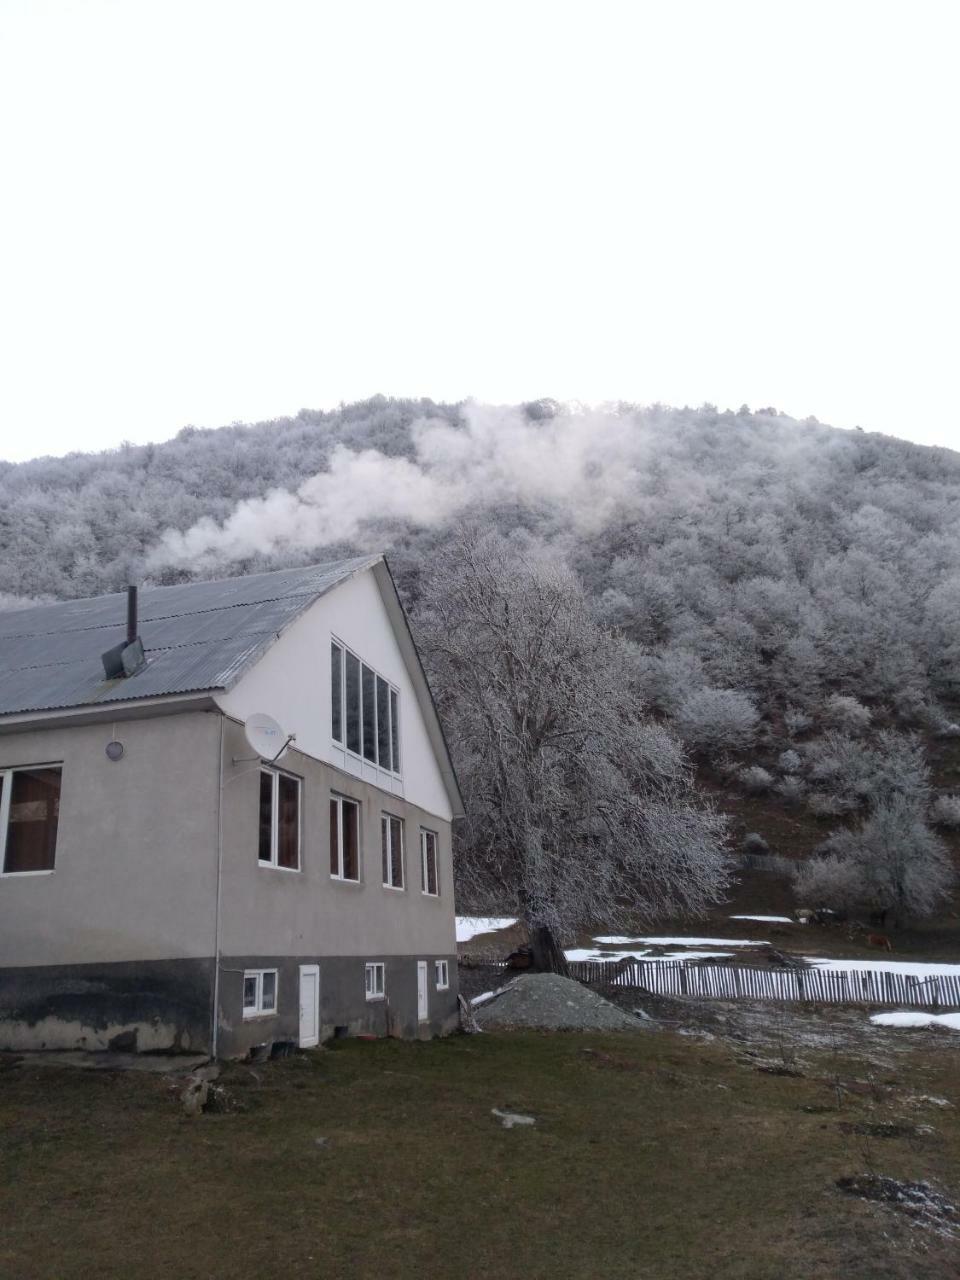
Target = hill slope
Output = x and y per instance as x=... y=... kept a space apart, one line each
x=792 y=592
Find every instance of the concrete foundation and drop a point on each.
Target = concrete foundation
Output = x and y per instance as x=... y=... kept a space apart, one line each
x=166 y=1006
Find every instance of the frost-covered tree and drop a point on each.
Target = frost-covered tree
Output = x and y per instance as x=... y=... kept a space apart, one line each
x=851 y=773
x=580 y=811
x=714 y=721
x=846 y=713
x=892 y=863
x=945 y=812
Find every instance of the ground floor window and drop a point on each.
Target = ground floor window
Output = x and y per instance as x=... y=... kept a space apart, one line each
x=29 y=817
x=259 y=992
x=441 y=971
x=429 y=878
x=375 y=981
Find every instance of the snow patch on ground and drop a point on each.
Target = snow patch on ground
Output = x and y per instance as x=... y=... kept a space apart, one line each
x=767 y=919
x=915 y=969
x=584 y=953
x=470 y=926
x=916 y=1018
x=588 y=953
x=695 y=955
x=700 y=942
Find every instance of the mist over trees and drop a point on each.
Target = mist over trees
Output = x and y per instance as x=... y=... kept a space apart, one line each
x=787 y=595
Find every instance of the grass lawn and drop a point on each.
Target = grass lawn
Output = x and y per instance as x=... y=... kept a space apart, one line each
x=654 y=1155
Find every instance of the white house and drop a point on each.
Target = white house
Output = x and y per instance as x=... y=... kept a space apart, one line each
x=160 y=883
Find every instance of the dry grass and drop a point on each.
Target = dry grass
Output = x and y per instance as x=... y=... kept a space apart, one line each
x=654 y=1155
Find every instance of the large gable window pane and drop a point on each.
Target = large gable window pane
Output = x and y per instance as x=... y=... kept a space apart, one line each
x=369 y=716
x=288 y=826
x=383 y=724
x=336 y=692
x=33 y=819
x=353 y=702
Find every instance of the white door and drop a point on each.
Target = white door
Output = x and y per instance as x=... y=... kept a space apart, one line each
x=309 y=1005
x=423 y=1006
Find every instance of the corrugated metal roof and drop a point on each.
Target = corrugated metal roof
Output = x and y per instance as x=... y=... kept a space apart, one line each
x=198 y=636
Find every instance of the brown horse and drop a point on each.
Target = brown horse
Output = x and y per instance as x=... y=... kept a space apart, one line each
x=879 y=940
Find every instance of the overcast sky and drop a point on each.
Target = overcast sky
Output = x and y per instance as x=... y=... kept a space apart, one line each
x=217 y=210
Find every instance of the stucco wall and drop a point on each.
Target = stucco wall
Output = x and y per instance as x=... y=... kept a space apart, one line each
x=292 y=683
x=267 y=911
x=136 y=855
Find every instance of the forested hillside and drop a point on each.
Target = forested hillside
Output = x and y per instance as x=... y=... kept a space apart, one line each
x=791 y=592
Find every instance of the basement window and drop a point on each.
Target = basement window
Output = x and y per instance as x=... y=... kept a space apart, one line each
x=259 y=992
x=375 y=976
x=344 y=838
x=429 y=874
x=364 y=710
x=441 y=970
x=391 y=848
x=29 y=818
x=279 y=841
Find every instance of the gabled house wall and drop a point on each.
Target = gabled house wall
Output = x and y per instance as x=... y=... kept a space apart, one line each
x=291 y=682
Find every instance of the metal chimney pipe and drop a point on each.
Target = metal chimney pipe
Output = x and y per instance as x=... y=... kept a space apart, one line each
x=132 y=621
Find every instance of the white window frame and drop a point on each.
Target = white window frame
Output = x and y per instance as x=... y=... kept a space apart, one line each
x=393 y=694
x=259 y=1011
x=386 y=821
x=6 y=795
x=424 y=878
x=373 y=971
x=272 y=862
x=441 y=974
x=340 y=801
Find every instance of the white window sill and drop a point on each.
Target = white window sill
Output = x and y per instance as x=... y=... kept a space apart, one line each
x=374 y=999
x=275 y=866
x=396 y=888
x=13 y=875
x=251 y=1017
x=344 y=880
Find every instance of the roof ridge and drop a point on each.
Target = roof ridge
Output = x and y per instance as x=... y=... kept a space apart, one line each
x=371 y=558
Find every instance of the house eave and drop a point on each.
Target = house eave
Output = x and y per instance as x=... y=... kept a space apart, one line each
x=93 y=713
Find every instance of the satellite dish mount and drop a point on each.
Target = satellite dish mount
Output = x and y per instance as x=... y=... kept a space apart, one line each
x=265 y=738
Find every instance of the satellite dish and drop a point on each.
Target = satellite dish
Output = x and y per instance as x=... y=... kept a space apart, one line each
x=265 y=737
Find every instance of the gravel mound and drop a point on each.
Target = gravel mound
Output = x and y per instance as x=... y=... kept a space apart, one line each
x=551 y=1003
